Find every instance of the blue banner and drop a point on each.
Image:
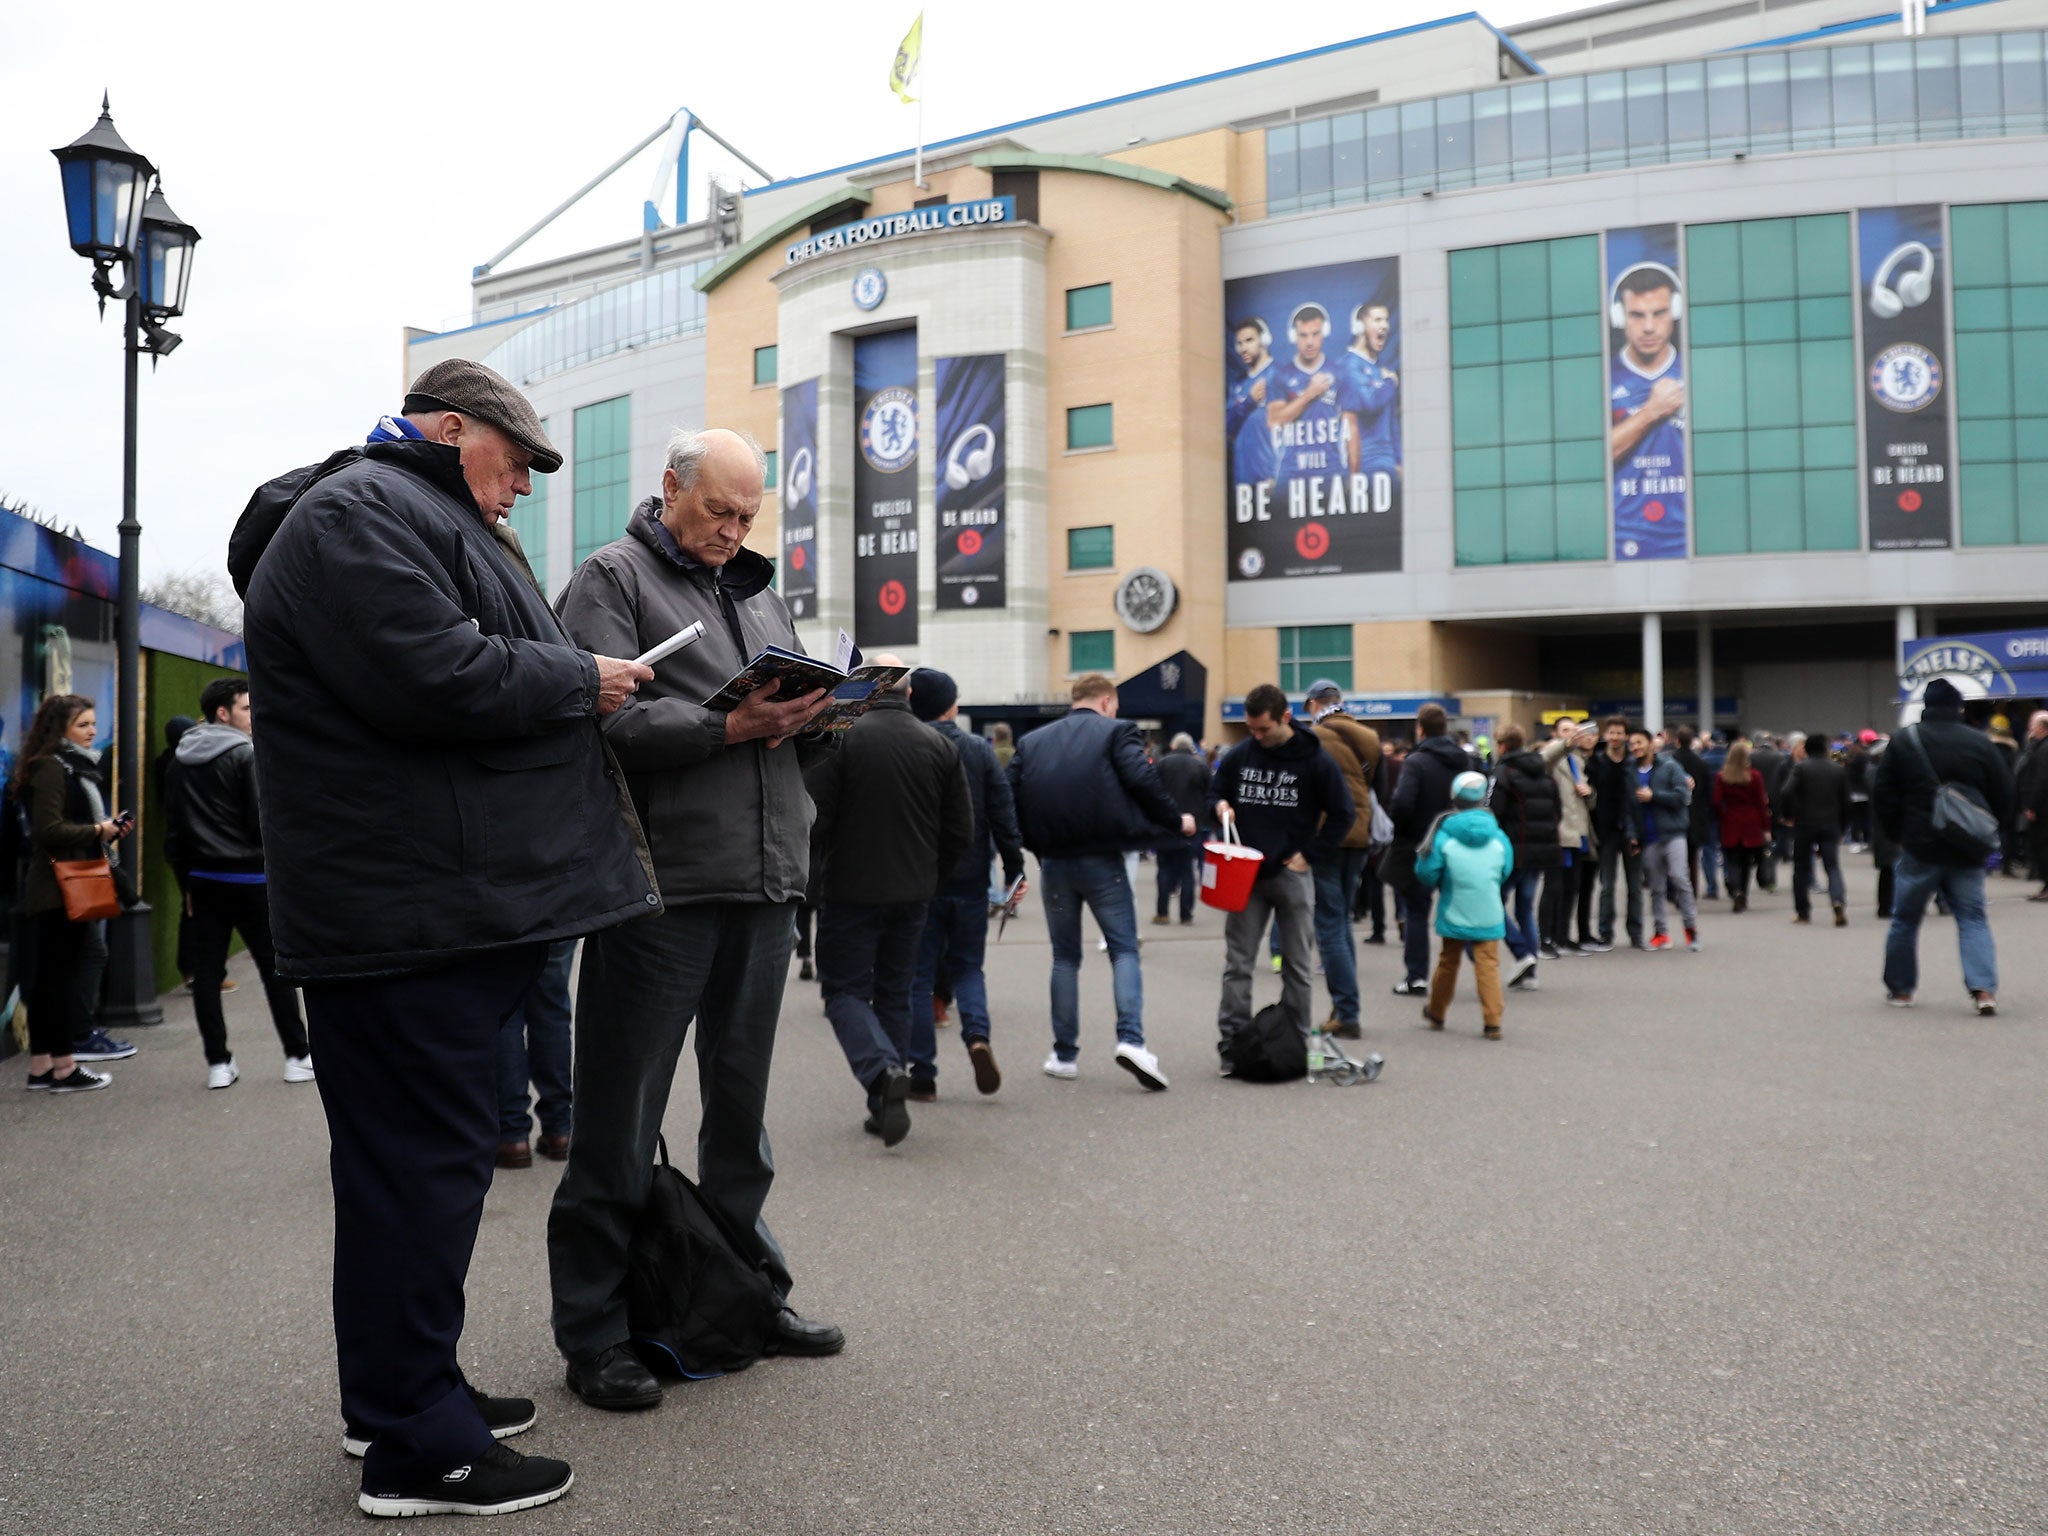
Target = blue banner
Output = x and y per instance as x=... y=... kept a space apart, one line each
x=885 y=434
x=1905 y=374
x=798 y=473
x=1646 y=392
x=972 y=569
x=2003 y=664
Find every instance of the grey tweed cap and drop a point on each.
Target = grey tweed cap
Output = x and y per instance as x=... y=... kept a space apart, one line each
x=461 y=385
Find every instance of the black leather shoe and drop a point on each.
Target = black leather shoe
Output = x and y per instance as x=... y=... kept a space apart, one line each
x=893 y=1115
x=795 y=1335
x=614 y=1379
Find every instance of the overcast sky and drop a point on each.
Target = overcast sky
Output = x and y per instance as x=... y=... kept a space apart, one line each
x=347 y=166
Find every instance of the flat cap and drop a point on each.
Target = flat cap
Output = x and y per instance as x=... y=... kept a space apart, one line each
x=461 y=385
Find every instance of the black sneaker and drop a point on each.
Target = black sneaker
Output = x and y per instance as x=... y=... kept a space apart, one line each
x=495 y=1483
x=1547 y=951
x=1596 y=946
x=1411 y=988
x=892 y=1120
x=40 y=1080
x=101 y=1046
x=81 y=1080
x=504 y=1417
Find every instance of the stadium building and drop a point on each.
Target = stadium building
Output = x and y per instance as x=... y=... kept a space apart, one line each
x=1676 y=356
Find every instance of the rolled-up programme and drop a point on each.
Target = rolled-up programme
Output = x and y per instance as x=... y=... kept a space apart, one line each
x=675 y=642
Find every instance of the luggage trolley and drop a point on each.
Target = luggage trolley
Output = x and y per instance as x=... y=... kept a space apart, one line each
x=1336 y=1066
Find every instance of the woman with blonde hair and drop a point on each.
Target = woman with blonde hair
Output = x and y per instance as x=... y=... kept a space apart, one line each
x=1744 y=811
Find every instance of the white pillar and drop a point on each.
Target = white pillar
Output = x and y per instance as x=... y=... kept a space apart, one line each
x=1706 y=678
x=1906 y=623
x=1653 y=672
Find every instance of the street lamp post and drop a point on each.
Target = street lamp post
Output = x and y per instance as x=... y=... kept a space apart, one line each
x=116 y=216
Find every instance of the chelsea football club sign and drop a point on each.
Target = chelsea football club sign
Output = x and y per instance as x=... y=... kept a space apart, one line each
x=939 y=219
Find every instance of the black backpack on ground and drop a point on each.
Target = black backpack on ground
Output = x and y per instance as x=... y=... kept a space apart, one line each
x=1270 y=1049
x=691 y=1294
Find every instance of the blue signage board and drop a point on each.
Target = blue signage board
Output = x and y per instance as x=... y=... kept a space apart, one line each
x=939 y=219
x=2008 y=664
x=1364 y=706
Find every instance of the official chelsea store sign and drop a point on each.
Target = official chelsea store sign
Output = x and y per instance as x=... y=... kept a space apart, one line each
x=941 y=218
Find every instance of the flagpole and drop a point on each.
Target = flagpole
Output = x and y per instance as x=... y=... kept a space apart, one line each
x=920 y=102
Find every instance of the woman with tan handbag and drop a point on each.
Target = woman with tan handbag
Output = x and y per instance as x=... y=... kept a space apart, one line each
x=69 y=884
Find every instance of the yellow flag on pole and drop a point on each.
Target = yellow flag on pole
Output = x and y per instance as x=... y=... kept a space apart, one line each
x=908 y=53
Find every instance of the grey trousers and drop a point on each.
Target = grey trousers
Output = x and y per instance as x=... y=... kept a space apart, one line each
x=1291 y=897
x=720 y=965
x=1665 y=864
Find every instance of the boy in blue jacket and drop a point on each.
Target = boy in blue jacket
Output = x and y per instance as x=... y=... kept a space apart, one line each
x=1468 y=859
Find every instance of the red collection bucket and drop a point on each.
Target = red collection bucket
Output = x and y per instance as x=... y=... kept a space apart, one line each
x=1229 y=871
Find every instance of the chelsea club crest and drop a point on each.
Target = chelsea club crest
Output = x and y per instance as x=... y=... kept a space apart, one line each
x=1905 y=377
x=869 y=288
x=888 y=429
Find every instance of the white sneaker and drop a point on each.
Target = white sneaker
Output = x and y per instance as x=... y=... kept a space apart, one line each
x=1142 y=1065
x=1521 y=968
x=1054 y=1067
x=298 y=1069
x=222 y=1074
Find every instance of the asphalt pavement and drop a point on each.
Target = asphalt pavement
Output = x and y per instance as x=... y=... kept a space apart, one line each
x=1711 y=1243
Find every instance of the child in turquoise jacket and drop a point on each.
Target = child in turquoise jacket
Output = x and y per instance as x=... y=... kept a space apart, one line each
x=1467 y=860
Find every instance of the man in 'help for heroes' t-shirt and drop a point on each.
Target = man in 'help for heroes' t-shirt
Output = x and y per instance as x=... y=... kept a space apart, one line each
x=1647 y=421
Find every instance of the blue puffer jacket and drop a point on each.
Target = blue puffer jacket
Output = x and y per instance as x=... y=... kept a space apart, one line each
x=1467 y=860
x=1083 y=786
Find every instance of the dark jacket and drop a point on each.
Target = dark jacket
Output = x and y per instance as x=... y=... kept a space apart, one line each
x=1424 y=790
x=1525 y=804
x=213 y=804
x=1617 y=814
x=1745 y=811
x=724 y=823
x=1776 y=767
x=1186 y=778
x=1902 y=794
x=2033 y=795
x=1083 y=786
x=995 y=814
x=1355 y=749
x=434 y=784
x=1817 y=796
x=1702 y=809
x=60 y=827
x=894 y=815
x=1288 y=800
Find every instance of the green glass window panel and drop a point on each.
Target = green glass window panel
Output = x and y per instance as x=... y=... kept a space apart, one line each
x=1771 y=381
x=1311 y=651
x=1769 y=263
x=1984 y=374
x=1525 y=402
x=1576 y=336
x=2029 y=368
x=1827 y=383
x=1091 y=650
x=1524 y=341
x=1720 y=514
x=1828 y=447
x=600 y=477
x=1822 y=243
x=1989 y=502
x=1475 y=287
x=1526 y=465
x=1831 y=517
x=1983 y=309
x=1531 y=523
x=2030 y=306
x=770 y=469
x=1575 y=275
x=1583 y=458
x=1091 y=549
x=1776 y=512
x=1715 y=325
x=2026 y=241
x=2030 y=438
x=1476 y=468
x=2030 y=491
x=1826 y=319
x=1481 y=536
x=1774 y=448
x=1475 y=344
x=1582 y=520
x=1978 y=235
x=1713 y=261
x=764 y=365
x=1475 y=407
x=1720 y=453
x=529 y=520
x=1090 y=426
x=1718 y=403
x=1772 y=320
x=1985 y=440
x=1525 y=281
x=1088 y=307
x=1578 y=397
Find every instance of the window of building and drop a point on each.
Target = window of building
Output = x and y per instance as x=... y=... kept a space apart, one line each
x=1090 y=426
x=2001 y=369
x=1023 y=187
x=1772 y=390
x=529 y=519
x=772 y=470
x=1088 y=308
x=1528 y=420
x=1091 y=650
x=1091 y=549
x=1315 y=651
x=602 y=474
x=764 y=365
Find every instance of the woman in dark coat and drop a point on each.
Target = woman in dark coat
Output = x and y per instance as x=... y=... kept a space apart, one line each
x=1744 y=811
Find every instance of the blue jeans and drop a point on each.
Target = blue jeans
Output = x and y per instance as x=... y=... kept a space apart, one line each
x=953 y=944
x=1097 y=881
x=867 y=957
x=1415 y=903
x=533 y=1047
x=1336 y=887
x=1518 y=899
x=1964 y=888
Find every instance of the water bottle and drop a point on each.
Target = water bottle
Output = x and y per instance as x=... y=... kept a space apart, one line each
x=1315 y=1053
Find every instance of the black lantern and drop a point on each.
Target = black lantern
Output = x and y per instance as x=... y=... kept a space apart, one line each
x=104 y=181
x=165 y=269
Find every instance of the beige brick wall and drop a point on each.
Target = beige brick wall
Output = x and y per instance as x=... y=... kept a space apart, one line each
x=741 y=316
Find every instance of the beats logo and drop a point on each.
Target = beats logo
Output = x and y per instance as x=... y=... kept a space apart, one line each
x=1313 y=541
x=796 y=558
x=892 y=598
x=1909 y=501
x=970 y=541
x=1654 y=512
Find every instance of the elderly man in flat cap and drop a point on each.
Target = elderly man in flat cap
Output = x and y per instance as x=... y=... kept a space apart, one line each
x=437 y=806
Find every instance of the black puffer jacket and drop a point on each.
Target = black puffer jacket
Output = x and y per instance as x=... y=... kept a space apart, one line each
x=1424 y=792
x=213 y=802
x=1525 y=804
x=893 y=812
x=1083 y=785
x=1902 y=794
x=433 y=780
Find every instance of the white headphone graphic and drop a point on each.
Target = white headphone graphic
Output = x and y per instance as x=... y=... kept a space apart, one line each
x=800 y=475
x=1913 y=289
x=979 y=461
x=1301 y=313
x=1358 y=317
x=1617 y=316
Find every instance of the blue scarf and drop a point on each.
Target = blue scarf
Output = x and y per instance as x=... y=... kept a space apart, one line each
x=394 y=429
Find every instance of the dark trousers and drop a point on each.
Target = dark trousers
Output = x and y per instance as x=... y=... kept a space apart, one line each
x=1887 y=883
x=92 y=978
x=950 y=952
x=1827 y=842
x=867 y=959
x=1415 y=905
x=804 y=915
x=1177 y=875
x=409 y=1078
x=1737 y=863
x=722 y=966
x=1631 y=864
x=54 y=1019
x=1588 y=866
x=219 y=912
x=1372 y=898
x=1560 y=899
x=534 y=1051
